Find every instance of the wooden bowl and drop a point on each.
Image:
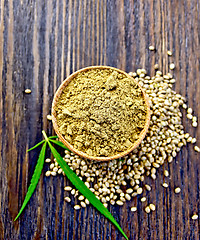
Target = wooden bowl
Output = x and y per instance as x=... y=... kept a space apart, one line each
x=80 y=153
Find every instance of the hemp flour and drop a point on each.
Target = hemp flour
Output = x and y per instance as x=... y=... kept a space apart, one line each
x=101 y=112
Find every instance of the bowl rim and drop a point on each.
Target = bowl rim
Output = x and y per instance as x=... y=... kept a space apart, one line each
x=80 y=153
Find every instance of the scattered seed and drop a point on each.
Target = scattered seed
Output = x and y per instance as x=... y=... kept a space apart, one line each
x=134 y=194
x=153 y=176
x=48 y=160
x=128 y=197
x=194 y=217
x=76 y=207
x=169 y=53
x=156 y=66
x=68 y=188
x=189 y=116
x=48 y=173
x=194 y=119
x=55 y=169
x=189 y=110
x=172 y=66
x=49 y=117
x=56 y=164
x=112 y=202
x=148 y=188
x=152 y=206
x=177 y=190
x=194 y=124
x=53 y=173
x=165 y=185
x=143 y=199
x=73 y=191
x=83 y=204
x=193 y=140
x=159 y=73
x=81 y=197
x=184 y=106
x=87 y=184
x=28 y=91
x=129 y=190
x=189 y=139
x=196 y=148
x=51 y=166
x=166 y=173
x=87 y=201
x=67 y=199
x=186 y=135
x=147 y=209
x=133 y=209
x=156 y=165
x=151 y=48
x=119 y=202
x=139 y=190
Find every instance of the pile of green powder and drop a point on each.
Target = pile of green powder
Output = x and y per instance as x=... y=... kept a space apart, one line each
x=101 y=112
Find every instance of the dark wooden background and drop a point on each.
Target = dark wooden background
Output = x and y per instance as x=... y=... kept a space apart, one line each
x=42 y=42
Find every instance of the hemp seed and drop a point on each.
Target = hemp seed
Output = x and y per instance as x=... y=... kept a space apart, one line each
x=194 y=119
x=143 y=199
x=194 y=217
x=172 y=66
x=77 y=207
x=133 y=209
x=193 y=140
x=83 y=204
x=196 y=148
x=177 y=190
x=27 y=91
x=151 y=48
x=139 y=190
x=49 y=117
x=189 y=116
x=189 y=110
x=147 y=209
x=119 y=202
x=166 y=173
x=156 y=66
x=148 y=188
x=48 y=160
x=184 y=106
x=152 y=206
x=194 y=124
x=53 y=174
x=67 y=199
x=165 y=185
x=169 y=53
x=48 y=173
x=68 y=188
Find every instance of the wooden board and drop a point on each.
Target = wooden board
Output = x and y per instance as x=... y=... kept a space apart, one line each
x=42 y=42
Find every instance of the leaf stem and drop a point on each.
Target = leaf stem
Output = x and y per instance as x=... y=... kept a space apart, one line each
x=45 y=136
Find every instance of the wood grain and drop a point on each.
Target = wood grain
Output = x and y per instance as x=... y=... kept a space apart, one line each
x=42 y=42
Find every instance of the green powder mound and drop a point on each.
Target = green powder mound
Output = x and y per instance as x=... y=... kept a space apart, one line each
x=101 y=112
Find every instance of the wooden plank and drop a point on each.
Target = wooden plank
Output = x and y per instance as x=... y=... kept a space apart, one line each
x=42 y=42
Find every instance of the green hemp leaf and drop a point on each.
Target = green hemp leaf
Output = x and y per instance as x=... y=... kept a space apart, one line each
x=75 y=180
